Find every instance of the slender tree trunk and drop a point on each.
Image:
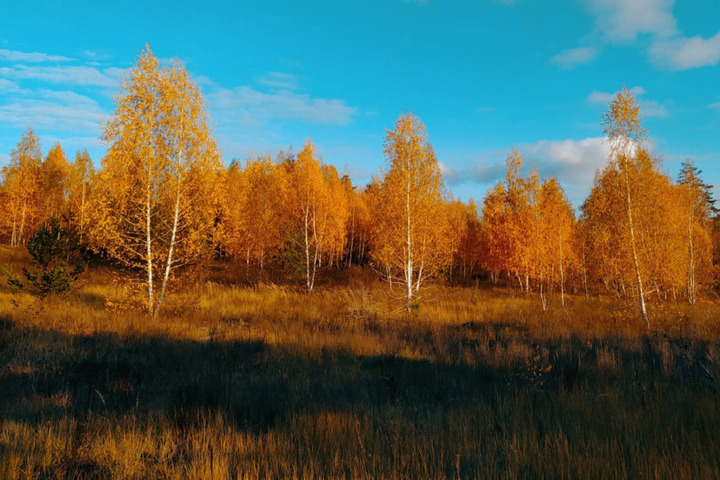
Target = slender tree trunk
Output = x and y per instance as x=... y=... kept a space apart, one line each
x=585 y=282
x=308 y=285
x=82 y=212
x=168 y=263
x=148 y=246
x=362 y=250
x=21 y=237
x=562 y=273
x=352 y=241
x=628 y=204
x=691 y=266
x=13 y=239
x=408 y=249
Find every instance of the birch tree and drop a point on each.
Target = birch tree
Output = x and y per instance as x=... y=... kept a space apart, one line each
x=625 y=136
x=698 y=205
x=21 y=185
x=318 y=210
x=153 y=203
x=410 y=229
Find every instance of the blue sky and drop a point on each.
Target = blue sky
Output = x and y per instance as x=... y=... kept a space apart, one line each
x=484 y=76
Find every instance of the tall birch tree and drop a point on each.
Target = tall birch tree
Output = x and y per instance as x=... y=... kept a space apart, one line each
x=410 y=230
x=154 y=198
x=625 y=135
x=317 y=209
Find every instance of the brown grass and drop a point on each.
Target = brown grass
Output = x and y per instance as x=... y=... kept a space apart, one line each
x=264 y=381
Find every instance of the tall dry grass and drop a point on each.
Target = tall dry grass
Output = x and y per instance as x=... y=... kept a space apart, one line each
x=264 y=381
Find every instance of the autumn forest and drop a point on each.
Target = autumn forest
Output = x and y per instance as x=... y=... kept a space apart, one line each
x=165 y=315
x=162 y=201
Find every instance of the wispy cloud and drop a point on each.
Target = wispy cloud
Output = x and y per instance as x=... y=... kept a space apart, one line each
x=55 y=115
x=416 y=2
x=574 y=56
x=59 y=98
x=715 y=105
x=67 y=75
x=624 y=20
x=51 y=109
x=279 y=80
x=254 y=107
x=96 y=56
x=8 y=86
x=32 y=57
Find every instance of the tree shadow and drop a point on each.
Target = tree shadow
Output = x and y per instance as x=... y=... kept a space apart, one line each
x=46 y=374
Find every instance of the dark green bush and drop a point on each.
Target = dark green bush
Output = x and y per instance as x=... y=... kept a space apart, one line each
x=56 y=261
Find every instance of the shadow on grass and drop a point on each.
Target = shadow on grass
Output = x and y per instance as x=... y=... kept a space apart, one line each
x=252 y=383
x=47 y=374
x=495 y=380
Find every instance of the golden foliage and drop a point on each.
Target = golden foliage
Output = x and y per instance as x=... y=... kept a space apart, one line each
x=153 y=206
x=411 y=238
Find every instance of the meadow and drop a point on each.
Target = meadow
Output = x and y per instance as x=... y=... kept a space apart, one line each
x=239 y=379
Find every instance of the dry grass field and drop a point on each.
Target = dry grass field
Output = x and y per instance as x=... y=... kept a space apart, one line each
x=264 y=381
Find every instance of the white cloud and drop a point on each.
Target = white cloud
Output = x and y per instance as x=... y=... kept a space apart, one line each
x=714 y=105
x=573 y=161
x=624 y=20
x=416 y=2
x=33 y=57
x=253 y=107
x=574 y=56
x=685 y=53
x=69 y=75
x=57 y=110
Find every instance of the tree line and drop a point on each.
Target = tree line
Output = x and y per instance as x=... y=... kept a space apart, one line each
x=162 y=200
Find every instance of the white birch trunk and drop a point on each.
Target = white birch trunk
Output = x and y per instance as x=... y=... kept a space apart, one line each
x=171 y=249
x=148 y=246
x=628 y=202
